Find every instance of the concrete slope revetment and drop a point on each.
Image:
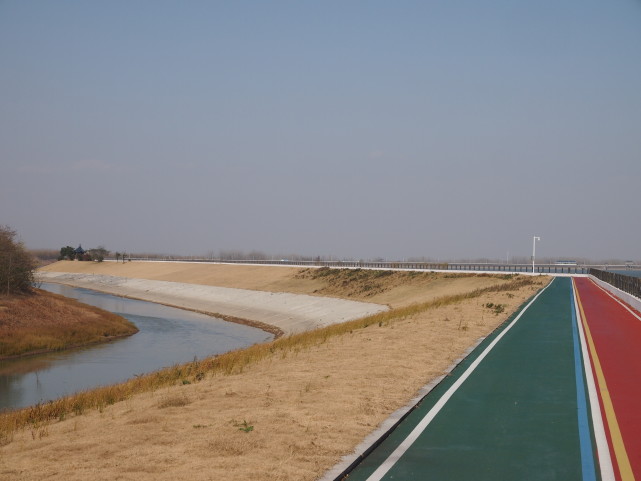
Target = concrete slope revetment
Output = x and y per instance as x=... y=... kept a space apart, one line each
x=291 y=313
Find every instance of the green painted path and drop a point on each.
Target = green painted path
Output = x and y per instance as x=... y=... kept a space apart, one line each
x=515 y=417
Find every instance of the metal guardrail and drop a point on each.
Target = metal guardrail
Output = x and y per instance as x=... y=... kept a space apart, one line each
x=386 y=265
x=629 y=284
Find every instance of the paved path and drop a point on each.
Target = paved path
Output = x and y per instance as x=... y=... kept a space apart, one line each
x=530 y=403
x=613 y=338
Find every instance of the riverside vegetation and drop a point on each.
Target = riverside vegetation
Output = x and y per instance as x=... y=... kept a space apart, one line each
x=40 y=321
x=37 y=419
x=34 y=321
x=16 y=264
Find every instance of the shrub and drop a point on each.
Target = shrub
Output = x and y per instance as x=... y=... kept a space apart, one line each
x=16 y=264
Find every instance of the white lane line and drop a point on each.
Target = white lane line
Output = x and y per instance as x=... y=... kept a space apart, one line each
x=605 y=460
x=420 y=427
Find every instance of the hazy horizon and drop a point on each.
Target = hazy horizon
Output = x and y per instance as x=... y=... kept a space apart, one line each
x=355 y=130
x=278 y=257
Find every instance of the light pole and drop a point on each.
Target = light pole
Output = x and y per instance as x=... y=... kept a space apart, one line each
x=534 y=239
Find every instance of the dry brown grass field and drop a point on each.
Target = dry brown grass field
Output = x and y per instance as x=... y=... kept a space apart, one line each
x=42 y=321
x=285 y=410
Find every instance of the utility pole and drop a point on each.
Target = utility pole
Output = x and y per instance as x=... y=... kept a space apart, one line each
x=534 y=239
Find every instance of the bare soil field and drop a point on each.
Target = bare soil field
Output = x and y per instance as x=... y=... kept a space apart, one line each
x=285 y=410
x=43 y=322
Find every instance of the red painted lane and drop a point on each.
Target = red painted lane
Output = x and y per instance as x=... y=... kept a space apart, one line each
x=617 y=337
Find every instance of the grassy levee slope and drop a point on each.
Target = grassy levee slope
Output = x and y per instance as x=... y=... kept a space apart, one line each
x=283 y=410
x=43 y=322
x=394 y=288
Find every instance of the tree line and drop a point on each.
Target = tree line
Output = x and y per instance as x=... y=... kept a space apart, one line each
x=97 y=254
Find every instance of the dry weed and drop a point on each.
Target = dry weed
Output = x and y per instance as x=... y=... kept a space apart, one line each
x=235 y=362
x=44 y=321
x=174 y=401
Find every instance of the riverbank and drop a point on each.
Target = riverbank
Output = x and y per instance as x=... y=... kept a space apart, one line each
x=289 y=299
x=275 y=312
x=394 y=288
x=43 y=322
x=286 y=410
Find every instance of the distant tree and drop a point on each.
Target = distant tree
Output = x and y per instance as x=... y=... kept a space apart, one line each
x=16 y=264
x=98 y=254
x=68 y=253
x=117 y=256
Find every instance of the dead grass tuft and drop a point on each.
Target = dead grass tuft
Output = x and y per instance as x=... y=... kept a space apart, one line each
x=174 y=401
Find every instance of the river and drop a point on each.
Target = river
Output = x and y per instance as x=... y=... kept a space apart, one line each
x=167 y=336
x=630 y=273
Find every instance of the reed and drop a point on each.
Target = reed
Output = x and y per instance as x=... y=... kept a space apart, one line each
x=233 y=362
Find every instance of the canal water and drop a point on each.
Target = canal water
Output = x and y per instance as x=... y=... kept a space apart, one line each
x=630 y=273
x=167 y=336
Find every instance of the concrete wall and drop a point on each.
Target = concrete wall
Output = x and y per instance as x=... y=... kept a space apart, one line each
x=633 y=301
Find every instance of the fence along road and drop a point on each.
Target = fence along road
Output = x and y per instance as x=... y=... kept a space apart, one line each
x=432 y=266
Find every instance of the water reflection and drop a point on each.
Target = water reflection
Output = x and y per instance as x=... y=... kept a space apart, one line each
x=167 y=336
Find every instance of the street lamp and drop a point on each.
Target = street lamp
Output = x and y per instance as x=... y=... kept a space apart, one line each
x=534 y=239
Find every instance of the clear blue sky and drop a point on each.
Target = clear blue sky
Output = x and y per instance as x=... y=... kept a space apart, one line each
x=355 y=129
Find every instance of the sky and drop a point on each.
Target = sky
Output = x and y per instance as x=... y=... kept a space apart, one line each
x=354 y=129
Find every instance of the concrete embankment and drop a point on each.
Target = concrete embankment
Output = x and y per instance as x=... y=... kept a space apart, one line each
x=290 y=313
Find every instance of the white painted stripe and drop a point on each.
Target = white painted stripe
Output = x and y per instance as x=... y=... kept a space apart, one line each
x=420 y=427
x=605 y=460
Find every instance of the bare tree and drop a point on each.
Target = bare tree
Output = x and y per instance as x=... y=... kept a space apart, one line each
x=98 y=254
x=16 y=264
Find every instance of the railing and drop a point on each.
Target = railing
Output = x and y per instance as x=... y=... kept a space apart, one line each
x=629 y=284
x=386 y=265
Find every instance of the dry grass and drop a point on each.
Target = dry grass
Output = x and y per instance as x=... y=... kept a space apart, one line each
x=393 y=288
x=396 y=288
x=43 y=321
x=256 y=277
x=309 y=399
x=236 y=362
x=174 y=400
x=284 y=410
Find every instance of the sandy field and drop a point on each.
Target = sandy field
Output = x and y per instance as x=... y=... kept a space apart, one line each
x=290 y=416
